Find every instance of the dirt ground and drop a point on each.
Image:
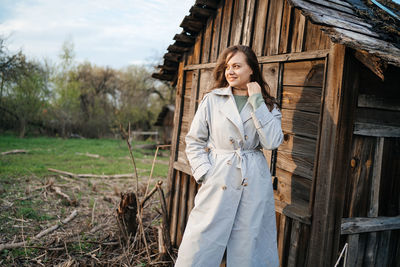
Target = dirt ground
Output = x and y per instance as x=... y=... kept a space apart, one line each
x=91 y=238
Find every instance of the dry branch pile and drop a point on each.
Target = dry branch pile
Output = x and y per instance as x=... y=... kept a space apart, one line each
x=94 y=223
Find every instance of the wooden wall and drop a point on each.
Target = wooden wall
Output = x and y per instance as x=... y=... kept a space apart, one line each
x=373 y=185
x=341 y=126
x=293 y=55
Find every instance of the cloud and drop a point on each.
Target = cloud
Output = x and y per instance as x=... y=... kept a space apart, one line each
x=113 y=33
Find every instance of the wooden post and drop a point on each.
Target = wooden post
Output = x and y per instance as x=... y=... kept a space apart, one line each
x=336 y=138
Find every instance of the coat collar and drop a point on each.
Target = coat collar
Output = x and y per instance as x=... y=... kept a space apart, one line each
x=229 y=109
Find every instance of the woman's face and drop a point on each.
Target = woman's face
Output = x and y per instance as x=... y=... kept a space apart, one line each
x=237 y=71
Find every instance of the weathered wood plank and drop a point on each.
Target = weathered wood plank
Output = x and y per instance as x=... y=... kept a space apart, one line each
x=364 y=224
x=302 y=98
x=379 y=102
x=216 y=34
x=295 y=187
x=376 y=178
x=307 y=8
x=336 y=136
x=175 y=209
x=378 y=47
x=334 y=6
x=313 y=36
x=359 y=178
x=353 y=250
x=296 y=164
x=285 y=28
x=300 y=123
x=259 y=27
x=207 y=42
x=298 y=212
x=206 y=82
x=281 y=236
x=304 y=73
x=273 y=31
x=248 y=22
x=182 y=207
x=370 y=250
x=226 y=25
x=378 y=130
x=270 y=73
x=294 y=240
x=194 y=94
x=383 y=248
x=174 y=143
x=298 y=29
x=237 y=22
x=180 y=166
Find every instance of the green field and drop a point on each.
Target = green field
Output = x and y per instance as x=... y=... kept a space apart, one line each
x=69 y=155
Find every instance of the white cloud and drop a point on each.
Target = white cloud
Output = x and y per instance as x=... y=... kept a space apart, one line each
x=114 y=33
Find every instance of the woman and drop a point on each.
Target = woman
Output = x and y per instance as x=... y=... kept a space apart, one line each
x=234 y=207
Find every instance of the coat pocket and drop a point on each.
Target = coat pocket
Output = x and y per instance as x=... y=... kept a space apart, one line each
x=212 y=157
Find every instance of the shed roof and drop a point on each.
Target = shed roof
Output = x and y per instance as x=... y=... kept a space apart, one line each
x=360 y=24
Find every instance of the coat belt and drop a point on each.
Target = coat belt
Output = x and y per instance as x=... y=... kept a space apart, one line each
x=242 y=156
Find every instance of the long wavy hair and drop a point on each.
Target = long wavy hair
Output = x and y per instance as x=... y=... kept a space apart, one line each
x=251 y=60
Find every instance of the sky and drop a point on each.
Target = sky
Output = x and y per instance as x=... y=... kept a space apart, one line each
x=113 y=33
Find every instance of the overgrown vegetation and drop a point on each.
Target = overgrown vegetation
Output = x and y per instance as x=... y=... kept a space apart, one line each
x=69 y=98
x=29 y=202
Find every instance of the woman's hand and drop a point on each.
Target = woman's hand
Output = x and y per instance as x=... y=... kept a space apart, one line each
x=253 y=88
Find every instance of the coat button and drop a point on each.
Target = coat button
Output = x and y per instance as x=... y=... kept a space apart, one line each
x=246 y=137
x=231 y=140
x=245 y=184
x=207 y=149
x=224 y=187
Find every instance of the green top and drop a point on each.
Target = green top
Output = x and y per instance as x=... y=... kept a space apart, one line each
x=255 y=100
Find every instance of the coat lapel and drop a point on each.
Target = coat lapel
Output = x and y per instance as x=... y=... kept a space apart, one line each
x=245 y=114
x=230 y=110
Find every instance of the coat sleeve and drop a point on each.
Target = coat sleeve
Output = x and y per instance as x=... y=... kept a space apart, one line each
x=268 y=125
x=196 y=142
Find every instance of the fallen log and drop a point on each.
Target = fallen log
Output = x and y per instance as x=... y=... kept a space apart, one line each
x=41 y=234
x=88 y=175
x=15 y=151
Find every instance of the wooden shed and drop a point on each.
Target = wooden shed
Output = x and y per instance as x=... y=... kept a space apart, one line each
x=334 y=67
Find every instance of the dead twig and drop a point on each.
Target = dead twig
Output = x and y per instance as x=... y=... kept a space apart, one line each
x=89 y=175
x=15 y=151
x=41 y=234
x=58 y=191
x=148 y=196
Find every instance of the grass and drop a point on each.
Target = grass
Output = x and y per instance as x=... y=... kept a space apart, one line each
x=64 y=154
x=28 y=203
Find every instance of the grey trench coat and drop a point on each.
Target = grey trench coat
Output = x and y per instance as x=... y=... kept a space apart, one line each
x=234 y=207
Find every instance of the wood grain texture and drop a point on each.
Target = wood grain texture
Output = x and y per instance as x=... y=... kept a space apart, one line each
x=238 y=18
x=260 y=27
x=273 y=31
x=304 y=73
x=226 y=25
x=302 y=98
x=329 y=179
x=300 y=123
x=216 y=34
x=284 y=43
x=249 y=22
